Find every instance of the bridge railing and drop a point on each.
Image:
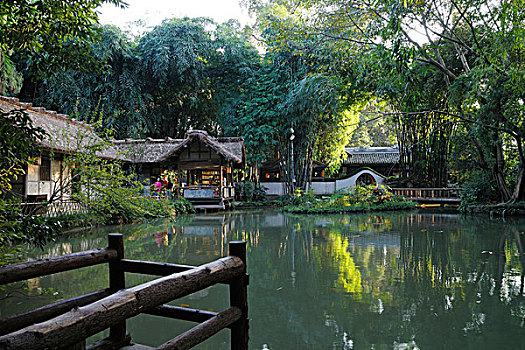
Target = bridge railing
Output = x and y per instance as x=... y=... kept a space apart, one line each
x=428 y=193
x=67 y=323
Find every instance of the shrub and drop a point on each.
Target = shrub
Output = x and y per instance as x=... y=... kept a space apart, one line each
x=361 y=198
x=249 y=191
x=16 y=229
x=478 y=190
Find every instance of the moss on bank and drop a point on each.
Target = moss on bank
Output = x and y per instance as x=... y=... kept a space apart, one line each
x=360 y=199
x=355 y=208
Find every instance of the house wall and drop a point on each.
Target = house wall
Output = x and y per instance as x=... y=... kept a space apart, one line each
x=36 y=187
x=198 y=151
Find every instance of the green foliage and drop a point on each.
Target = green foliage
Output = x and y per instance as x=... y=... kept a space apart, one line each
x=47 y=35
x=360 y=198
x=299 y=197
x=17 y=145
x=113 y=93
x=180 y=206
x=183 y=74
x=356 y=208
x=478 y=190
x=462 y=81
x=18 y=230
x=373 y=129
x=299 y=87
x=10 y=79
x=249 y=191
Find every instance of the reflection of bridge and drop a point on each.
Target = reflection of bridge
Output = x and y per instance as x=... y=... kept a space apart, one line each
x=430 y=195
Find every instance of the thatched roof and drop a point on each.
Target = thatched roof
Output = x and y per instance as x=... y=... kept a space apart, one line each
x=159 y=150
x=371 y=155
x=146 y=150
x=64 y=134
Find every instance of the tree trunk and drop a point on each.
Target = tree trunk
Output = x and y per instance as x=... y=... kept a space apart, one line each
x=519 y=189
x=499 y=176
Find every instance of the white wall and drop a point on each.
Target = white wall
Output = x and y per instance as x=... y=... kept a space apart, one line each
x=350 y=182
x=35 y=187
x=325 y=187
x=273 y=188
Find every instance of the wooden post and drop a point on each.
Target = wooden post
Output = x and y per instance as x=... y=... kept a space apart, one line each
x=239 y=298
x=117 y=281
x=221 y=181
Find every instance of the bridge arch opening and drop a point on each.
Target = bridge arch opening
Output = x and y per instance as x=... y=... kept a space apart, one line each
x=365 y=179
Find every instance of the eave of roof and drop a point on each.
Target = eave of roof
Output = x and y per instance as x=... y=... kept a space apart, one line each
x=159 y=150
x=64 y=134
x=372 y=155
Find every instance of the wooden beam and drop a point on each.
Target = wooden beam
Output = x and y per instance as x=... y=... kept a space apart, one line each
x=181 y=313
x=153 y=268
x=47 y=312
x=198 y=164
x=41 y=267
x=83 y=322
x=203 y=331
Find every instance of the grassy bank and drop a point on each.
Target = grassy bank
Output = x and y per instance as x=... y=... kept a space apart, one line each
x=361 y=199
x=353 y=208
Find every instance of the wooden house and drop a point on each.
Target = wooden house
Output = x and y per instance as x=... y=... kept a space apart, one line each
x=49 y=175
x=202 y=165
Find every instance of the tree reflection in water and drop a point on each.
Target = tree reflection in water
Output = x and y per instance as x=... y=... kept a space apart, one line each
x=402 y=281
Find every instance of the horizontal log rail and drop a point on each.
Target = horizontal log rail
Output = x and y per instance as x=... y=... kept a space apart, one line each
x=67 y=323
x=181 y=313
x=153 y=268
x=203 y=331
x=46 y=266
x=47 y=312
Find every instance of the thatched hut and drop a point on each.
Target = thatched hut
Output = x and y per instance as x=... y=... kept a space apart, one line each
x=49 y=174
x=202 y=165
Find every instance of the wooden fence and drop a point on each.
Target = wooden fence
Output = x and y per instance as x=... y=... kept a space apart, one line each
x=429 y=194
x=67 y=323
x=54 y=209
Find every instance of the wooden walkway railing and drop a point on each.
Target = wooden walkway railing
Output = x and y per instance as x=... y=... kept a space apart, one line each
x=67 y=323
x=53 y=209
x=429 y=194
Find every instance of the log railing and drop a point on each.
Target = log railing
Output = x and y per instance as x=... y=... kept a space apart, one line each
x=60 y=207
x=428 y=193
x=67 y=323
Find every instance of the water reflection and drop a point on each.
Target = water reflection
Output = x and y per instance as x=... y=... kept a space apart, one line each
x=395 y=281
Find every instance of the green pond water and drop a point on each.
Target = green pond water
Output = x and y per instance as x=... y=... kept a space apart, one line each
x=376 y=281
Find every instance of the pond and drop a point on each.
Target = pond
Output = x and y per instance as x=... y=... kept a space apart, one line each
x=376 y=281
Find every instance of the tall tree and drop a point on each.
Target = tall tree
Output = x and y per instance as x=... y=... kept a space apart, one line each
x=48 y=34
x=111 y=91
x=174 y=60
x=473 y=46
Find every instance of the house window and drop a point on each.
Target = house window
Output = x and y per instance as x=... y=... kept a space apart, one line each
x=45 y=168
